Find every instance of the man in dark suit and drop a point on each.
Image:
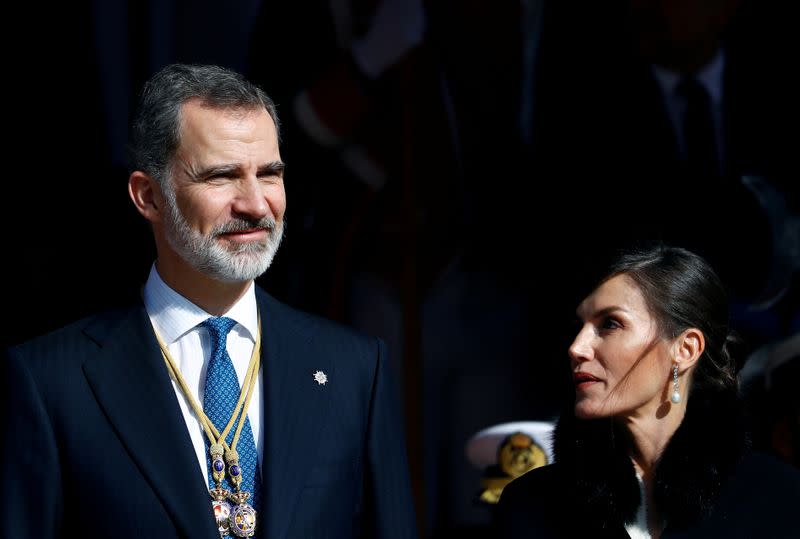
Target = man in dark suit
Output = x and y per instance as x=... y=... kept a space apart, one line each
x=651 y=113
x=210 y=399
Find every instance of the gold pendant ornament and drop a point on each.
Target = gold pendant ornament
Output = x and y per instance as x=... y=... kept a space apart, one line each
x=243 y=516
x=222 y=510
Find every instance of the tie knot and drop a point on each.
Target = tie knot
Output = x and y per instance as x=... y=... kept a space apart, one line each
x=692 y=90
x=219 y=327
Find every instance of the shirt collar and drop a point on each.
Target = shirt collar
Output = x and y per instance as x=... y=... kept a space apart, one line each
x=710 y=76
x=174 y=316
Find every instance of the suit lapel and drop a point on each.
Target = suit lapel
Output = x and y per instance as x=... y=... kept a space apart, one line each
x=132 y=385
x=295 y=409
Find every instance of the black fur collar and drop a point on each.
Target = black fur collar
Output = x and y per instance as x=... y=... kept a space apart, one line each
x=695 y=466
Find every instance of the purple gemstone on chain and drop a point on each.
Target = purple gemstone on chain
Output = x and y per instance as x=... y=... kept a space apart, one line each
x=235 y=470
x=219 y=465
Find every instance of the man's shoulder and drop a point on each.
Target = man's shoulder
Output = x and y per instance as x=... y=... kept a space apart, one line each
x=306 y=323
x=84 y=333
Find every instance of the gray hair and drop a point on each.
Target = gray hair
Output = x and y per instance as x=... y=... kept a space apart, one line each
x=155 y=131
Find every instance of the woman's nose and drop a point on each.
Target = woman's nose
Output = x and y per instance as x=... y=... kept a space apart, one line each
x=581 y=349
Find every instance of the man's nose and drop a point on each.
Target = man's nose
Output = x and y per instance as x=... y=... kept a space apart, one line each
x=250 y=199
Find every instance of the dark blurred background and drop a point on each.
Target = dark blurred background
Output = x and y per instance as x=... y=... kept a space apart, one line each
x=455 y=170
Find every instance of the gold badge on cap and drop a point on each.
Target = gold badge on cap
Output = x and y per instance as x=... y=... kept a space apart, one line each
x=518 y=454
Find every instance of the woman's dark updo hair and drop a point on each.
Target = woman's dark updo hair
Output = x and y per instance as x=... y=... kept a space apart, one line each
x=682 y=291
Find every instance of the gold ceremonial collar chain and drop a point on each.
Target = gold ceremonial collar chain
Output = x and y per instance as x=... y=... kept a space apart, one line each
x=240 y=519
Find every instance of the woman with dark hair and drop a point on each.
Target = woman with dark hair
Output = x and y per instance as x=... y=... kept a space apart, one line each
x=655 y=445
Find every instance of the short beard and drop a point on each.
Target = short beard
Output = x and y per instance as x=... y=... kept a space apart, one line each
x=232 y=263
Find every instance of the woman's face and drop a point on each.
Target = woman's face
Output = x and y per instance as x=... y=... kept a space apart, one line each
x=620 y=365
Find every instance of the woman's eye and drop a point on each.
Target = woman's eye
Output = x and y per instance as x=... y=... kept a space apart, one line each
x=610 y=323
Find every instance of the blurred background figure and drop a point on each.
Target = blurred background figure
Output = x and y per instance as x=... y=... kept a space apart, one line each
x=768 y=379
x=407 y=207
x=639 y=101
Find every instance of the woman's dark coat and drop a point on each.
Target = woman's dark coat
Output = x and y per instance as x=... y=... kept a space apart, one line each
x=707 y=483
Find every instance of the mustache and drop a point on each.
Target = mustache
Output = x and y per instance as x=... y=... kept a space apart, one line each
x=243 y=225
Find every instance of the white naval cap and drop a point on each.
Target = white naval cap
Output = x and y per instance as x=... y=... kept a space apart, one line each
x=483 y=447
x=504 y=452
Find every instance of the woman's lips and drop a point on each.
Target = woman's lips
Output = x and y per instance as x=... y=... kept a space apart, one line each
x=583 y=380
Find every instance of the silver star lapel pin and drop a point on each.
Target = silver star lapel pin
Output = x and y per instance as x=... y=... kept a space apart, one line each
x=321 y=378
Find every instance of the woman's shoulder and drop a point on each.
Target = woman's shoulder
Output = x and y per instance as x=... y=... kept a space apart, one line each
x=531 y=505
x=539 y=483
x=769 y=477
x=759 y=501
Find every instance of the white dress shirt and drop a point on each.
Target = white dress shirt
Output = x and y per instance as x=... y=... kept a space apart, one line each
x=176 y=319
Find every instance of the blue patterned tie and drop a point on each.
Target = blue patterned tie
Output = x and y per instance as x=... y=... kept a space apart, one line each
x=221 y=394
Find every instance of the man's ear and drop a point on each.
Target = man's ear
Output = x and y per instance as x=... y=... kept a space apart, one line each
x=145 y=192
x=688 y=347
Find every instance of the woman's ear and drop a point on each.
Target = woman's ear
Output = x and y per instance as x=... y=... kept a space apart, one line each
x=687 y=348
x=146 y=195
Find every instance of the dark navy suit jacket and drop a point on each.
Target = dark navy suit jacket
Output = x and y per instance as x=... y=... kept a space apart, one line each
x=98 y=446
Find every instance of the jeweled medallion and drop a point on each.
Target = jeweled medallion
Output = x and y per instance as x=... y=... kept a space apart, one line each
x=222 y=514
x=243 y=520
